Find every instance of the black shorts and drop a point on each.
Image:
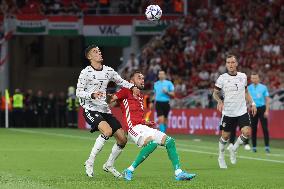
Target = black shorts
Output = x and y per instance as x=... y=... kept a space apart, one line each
x=229 y=124
x=93 y=118
x=163 y=109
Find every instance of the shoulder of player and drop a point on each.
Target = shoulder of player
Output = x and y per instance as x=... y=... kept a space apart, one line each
x=223 y=75
x=241 y=74
x=169 y=81
x=250 y=85
x=264 y=87
x=107 y=68
x=123 y=89
x=86 y=70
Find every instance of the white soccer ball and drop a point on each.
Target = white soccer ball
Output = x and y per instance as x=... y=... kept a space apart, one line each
x=153 y=12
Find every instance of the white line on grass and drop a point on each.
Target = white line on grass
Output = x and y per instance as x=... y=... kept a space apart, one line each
x=181 y=149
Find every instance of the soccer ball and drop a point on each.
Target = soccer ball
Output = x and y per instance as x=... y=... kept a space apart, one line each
x=153 y=12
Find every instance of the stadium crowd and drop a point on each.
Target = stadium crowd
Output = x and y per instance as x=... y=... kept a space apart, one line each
x=192 y=50
x=83 y=7
x=31 y=109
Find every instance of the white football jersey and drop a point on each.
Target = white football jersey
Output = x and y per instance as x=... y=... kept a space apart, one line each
x=92 y=81
x=234 y=90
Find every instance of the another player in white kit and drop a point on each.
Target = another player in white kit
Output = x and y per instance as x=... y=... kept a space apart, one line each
x=91 y=91
x=234 y=108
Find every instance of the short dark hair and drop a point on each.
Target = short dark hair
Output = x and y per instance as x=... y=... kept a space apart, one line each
x=135 y=72
x=90 y=47
x=231 y=56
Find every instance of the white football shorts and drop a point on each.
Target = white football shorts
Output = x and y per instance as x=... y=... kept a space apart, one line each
x=141 y=132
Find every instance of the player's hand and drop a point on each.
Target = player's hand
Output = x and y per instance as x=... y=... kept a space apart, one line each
x=220 y=106
x=135 y=91
x=253 y=110
x=97 y=95
x=266 y=114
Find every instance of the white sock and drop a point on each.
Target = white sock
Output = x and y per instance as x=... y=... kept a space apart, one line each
x=178 y=171
x=222 y=144
x=100 y=141
x=115 y=152
x=131 y=168
x=239 y=141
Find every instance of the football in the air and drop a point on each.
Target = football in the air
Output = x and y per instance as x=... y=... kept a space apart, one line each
x=153 y=12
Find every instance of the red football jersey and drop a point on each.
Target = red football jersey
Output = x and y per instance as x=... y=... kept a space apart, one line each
x=132 y=108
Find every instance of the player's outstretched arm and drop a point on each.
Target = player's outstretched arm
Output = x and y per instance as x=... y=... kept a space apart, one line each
x=119 y=81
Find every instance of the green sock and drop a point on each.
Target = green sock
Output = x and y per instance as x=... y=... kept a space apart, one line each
x=144 y=153
x=172 y=152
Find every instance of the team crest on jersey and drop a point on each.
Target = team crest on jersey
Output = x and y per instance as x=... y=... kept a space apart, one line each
x=107 y=76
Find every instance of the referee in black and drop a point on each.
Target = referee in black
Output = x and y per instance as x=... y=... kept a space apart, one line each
x=260 y=95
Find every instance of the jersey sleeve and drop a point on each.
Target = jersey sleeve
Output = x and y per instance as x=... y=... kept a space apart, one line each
x=171 y=87
x=219 y=83
x=115 y=77
x=81 y=85
x=246 y=80
x=266 y=93
x=122 y=93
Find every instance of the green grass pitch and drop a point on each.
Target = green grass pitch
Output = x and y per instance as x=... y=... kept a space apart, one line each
x=54 y=158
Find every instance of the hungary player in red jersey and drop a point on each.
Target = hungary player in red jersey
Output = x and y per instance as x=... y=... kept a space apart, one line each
x=140 y=131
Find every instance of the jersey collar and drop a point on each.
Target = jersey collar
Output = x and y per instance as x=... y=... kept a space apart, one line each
x=232 y=74
x=98 y=69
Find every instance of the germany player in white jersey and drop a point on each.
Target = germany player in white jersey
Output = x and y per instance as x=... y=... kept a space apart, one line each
x=91 y=91
x=233 y=108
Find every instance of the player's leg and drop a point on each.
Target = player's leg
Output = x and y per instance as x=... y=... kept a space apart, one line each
x=228 y=125
x=244 y=123
x=166 y=110
x=167 y=141
x=148 y=147
x=97 y=122
x=119 y=135
x=162 y=125
x=232 y=138
x=254 y=123
x=161 y=116
x=222 y=143
x=263 y=121
x=143 y=139
x=117 y=148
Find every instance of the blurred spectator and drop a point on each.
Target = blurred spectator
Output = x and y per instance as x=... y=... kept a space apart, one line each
x=18 y=107
x=40 y=103
x=132 y=63
x=72 y=108
x=62 y=106
x=29 y=109
x=195 y=46
x=50 y=110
